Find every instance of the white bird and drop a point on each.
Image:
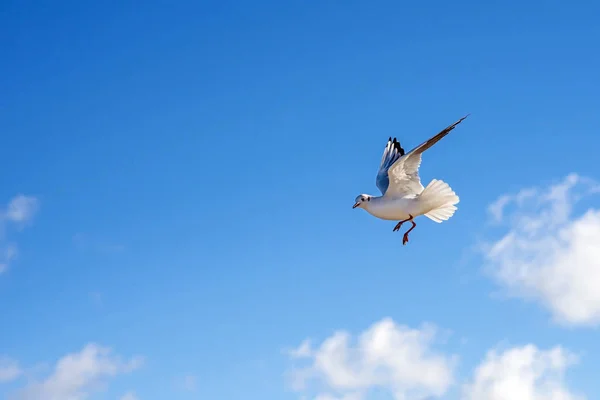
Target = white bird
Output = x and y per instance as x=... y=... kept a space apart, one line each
x=403 y=196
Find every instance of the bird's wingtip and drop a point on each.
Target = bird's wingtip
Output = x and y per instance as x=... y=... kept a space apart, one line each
x=459 y=121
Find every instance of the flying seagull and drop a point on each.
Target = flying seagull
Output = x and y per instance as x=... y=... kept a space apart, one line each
x=403 y=197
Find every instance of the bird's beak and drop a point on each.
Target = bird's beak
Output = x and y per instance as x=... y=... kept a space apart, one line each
x=356 y=205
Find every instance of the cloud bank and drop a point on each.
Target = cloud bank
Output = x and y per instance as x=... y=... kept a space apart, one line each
x=402 y=362
x=549 y=253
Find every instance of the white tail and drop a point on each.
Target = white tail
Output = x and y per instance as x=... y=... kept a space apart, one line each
x=440 y=199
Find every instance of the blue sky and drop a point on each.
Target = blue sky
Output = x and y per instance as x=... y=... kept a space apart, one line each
x=188 y=172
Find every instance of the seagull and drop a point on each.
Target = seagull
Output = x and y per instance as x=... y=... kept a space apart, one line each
x=403 y=197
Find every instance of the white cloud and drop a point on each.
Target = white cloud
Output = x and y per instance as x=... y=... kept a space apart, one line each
x=77 y=375
x=9 y=370
x=386 y=356
x=549 y=254
x=522 y=373
x=21 y=209
x=392 y=358
x=129 y=396
x=8 y=253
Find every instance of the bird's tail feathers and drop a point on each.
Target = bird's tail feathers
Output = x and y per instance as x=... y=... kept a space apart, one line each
x=440 y=200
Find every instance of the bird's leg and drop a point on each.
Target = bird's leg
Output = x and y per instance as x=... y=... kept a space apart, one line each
x=399 y=224
x=405 y=237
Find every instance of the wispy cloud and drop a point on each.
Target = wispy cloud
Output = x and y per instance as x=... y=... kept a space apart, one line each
x=21 y=209
x=186 y=383
x=76 y=376
x=129 y=396
x=548 y=253
x=8 y=252
x=304 y=350
x=189 y=383
x=9 y=370
x=19 y=212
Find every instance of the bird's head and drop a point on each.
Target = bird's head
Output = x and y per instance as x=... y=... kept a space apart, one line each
x=362 y=200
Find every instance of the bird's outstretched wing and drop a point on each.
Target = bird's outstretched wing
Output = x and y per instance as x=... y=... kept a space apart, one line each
x=392 y=152
x=404 y=172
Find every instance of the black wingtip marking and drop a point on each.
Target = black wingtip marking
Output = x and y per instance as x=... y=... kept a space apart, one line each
x=398 y=147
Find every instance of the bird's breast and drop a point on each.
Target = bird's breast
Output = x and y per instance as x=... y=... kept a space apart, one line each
x=391 y=209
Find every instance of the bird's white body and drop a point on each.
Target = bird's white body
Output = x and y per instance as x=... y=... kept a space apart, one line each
x=437 y=202
x=394 y=209
x=403 y=196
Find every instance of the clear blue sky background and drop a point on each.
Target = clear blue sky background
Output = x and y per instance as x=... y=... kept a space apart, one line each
x=210 y=153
